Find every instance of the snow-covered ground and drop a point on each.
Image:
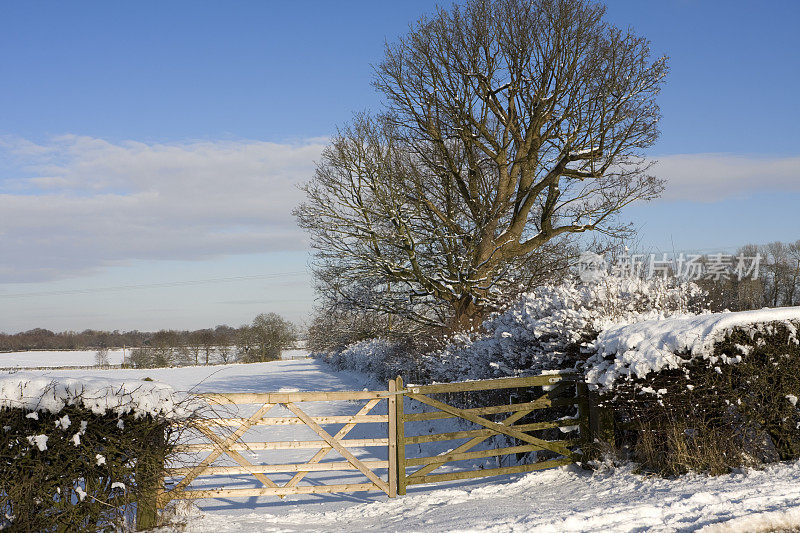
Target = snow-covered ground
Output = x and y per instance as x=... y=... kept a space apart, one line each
x=559 y=500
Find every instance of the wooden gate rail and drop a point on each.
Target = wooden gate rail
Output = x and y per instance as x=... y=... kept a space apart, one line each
x=556 y=383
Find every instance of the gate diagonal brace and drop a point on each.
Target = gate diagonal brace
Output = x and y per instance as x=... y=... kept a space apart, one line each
x=430 y=467
x=500 y=428
x=239 y=458
x=222 y=447
x=339 y=435
x=381 y=484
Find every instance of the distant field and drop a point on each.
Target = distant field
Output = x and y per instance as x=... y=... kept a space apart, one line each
x=56 y=358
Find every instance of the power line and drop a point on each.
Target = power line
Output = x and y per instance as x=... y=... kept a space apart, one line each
x=151 y=285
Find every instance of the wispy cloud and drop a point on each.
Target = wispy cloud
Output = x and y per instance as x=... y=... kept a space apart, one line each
x=73 y=204
x=714 y=177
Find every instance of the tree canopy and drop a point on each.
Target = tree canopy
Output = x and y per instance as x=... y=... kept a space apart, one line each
x=509 y=127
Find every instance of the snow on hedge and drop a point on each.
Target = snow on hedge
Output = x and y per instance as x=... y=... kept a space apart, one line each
x=37 y=393
x=543 y=329
x=653 y=345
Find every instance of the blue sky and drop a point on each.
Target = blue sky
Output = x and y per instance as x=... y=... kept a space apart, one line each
x=147 y=143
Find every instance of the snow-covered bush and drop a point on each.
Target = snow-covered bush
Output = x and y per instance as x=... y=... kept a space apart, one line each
x=75 y=454
x=706 y=393
x=549 y=328
x=383 y=359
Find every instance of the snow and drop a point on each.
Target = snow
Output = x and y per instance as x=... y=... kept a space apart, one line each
x=35 y=392
x=561 y=500
x=294 y=354
x=40 y=441
x=766 y=522
x=537 y=332
x=64 y=422
x=652 y=345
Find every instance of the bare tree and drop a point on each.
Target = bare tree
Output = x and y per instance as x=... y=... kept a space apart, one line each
x=332 y=330
x=781 y=273
x=244 y=342
x=775 y=283
x=270 y=334
x=224 y=340
x=511 y=126
x=207 y=340
x=163 y=345
x=142 y=357
x=194 y=346
x=101 y=358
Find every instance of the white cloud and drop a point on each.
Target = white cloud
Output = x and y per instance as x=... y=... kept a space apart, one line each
x=74 y=204
x=714 y=177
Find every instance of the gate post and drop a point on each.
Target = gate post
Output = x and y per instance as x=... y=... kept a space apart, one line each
x=392 y=453
x=584 y=418
x=400 y=434
x=597 y=421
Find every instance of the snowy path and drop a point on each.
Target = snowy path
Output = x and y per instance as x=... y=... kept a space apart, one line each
x=301 y=374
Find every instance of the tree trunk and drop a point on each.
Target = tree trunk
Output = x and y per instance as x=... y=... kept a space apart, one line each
x=467 y=315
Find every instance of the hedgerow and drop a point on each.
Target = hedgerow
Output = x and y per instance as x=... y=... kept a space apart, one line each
x=81 y=455
x=735 y=407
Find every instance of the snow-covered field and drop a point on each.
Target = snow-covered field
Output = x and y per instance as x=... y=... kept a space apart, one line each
x=56 y=358
x=559 y=500
x=53 y=358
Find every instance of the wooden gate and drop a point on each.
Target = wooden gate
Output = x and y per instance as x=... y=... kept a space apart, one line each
x=554 y=390
x=220 y=443
x=222 y=437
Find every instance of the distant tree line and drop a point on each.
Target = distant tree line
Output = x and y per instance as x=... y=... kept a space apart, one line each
x=777 y=283
x=262 y=340
x=89 y=339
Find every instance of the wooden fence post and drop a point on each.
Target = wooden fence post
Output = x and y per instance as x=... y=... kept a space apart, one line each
x=400 y=435
x=146 y=505
x=149 y=477
x=597 y=423
x=392 y=457
x=584 y=419
x=601 y=424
